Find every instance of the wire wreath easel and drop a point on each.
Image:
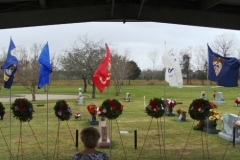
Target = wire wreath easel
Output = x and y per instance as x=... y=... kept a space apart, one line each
x=9 y=150
x=160 y=135
x=202 y=138
x=56 y=149
x=156 y=109
x=110 y=137
x=20 y=141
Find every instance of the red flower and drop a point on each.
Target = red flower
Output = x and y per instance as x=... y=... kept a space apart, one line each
x=236 y=101
x=199 y=105
x=114 y=107
x=153 y=103
x=212 y=104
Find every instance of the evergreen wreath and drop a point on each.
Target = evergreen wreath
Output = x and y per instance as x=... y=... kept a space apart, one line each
x=199 y=109
x=22 y=109
x=2 y=111
x=111 y=109
x=62 y=110
x=156 y=107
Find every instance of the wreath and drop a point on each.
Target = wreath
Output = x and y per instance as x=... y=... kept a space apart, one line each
x=156 y=107
x=199 y=109
x=2 y=111
x=111 y=109
x=22 y=109
x=62 y=110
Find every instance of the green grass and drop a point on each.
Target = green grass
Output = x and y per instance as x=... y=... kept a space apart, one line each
x=181 y=142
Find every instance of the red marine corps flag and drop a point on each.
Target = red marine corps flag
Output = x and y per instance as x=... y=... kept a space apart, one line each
x=101 y=77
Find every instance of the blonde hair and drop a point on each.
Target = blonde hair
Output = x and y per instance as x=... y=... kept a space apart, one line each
x=90 y=137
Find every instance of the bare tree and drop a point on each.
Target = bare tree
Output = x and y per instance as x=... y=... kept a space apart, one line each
x=153 y=56
x=200 y=60
x=82 y=60
x=119 y=70
x=225 y=44
x=28 y=68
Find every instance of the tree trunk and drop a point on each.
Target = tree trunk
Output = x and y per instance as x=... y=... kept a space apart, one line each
x=84 y=85
x=93 y=91
x=33 y=97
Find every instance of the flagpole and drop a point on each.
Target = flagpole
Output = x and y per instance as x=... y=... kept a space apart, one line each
x=10 y=102
x=47 y=123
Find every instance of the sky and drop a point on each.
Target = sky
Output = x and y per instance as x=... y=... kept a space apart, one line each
x=140 y=38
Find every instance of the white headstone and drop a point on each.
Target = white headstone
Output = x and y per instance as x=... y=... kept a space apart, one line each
x=80 y=97
x=227 y=128
x=219 y=98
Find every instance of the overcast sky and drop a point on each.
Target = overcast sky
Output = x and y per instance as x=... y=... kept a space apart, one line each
x=140 y=38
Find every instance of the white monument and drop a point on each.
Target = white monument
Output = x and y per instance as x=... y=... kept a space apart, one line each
x=80 y=97
x=227 y=128
x=127 y=98
x=218 y=98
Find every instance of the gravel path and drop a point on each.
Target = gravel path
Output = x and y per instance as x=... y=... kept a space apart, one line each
x=40 y=97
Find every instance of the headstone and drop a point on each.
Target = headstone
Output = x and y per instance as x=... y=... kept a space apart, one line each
x=202 y=95
x=104 y=141
x=182 y=116
x=227 y=128
x=219 y=98
x=93 y=121
x=210 y=127
x=127 y=98
x=80 y=97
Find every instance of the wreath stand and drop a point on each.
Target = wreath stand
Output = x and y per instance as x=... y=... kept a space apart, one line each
x=160 y=130
x=57 y=139
x=20 y=146
x=202 y=138
x=110 y=137
x=6 y=143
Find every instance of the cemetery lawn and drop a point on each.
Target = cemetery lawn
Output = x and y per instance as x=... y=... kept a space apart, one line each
x=163 y=138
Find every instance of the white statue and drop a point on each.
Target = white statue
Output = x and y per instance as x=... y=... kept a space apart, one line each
x=80 y=97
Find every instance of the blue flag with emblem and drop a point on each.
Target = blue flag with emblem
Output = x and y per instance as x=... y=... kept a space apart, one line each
x=223 y=70
x=10 y=66
x=45 y=67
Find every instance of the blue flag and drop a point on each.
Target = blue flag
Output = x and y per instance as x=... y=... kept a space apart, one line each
x=45 y=67
x=10 y=66
x=223 y=70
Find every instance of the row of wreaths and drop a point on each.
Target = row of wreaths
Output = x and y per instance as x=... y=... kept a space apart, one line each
x=22 y=109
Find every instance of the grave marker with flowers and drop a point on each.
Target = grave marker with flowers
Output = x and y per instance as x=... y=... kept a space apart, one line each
x=92 y=109
x=210 y=123
x=170 y=104
x=110 y=109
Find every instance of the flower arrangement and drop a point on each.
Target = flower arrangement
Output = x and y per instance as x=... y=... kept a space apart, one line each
x=155 y=108
x=62 y=110
x=77 y=115
x=237 y=101
x=22 y=109
x=2 y=111
x=199 y=109
x=237 y=123
x=181 y=111
x=214 y=115
x=110 y=108
x=92 y=109
x=213 y=105
x=170 y=103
